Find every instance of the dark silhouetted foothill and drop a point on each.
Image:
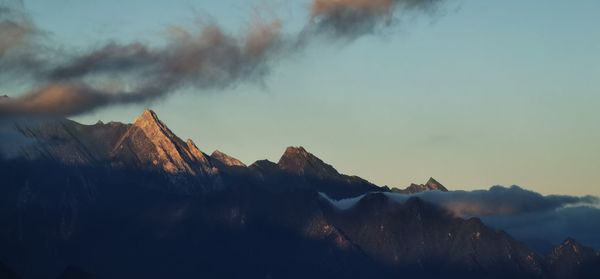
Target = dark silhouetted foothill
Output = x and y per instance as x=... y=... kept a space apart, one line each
x=73 y=272
x=7 y=273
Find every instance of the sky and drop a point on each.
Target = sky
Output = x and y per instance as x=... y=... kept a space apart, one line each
x=475 y=94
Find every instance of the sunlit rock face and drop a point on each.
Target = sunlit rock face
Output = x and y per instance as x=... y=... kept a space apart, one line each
x=226 y=159
x=150 y=143
x=147 y=144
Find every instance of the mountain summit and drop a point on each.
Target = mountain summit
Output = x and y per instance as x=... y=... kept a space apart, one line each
x=150 y=144
x=299 y=161
x=430 y=185
x=308 y=170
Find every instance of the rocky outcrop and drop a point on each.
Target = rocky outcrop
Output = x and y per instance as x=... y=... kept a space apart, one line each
x=298 y=161
x=226 y=159
x=430 y=185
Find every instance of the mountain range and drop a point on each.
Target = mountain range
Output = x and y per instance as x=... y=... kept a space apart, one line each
x=114 y=200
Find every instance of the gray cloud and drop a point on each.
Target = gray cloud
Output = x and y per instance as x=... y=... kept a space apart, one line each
x=350 y=19
x=13 y=34
x=552 y=226
x=60 y=99
x=207 y=59
x=20 y=51
x=500 y=200
x=70 y=84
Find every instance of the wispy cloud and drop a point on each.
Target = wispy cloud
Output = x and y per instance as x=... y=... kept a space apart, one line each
x=349 y=19
x=207 y=57
x=499 y=200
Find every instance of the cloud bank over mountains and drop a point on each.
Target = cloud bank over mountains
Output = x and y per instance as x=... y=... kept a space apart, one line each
x=204 y=58
x=524 y=214
x=499 y=200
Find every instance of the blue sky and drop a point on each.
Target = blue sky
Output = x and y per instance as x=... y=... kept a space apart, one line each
x=482 y=93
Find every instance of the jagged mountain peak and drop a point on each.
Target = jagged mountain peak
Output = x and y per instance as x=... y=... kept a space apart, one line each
x=155 y=130
x=299 y=161
x=433 y=184
x=226 y=159
x=148 y=114
x=430 y=185
x=265 y=166
x=296 y=150
x=150 y=143
x=149 y=120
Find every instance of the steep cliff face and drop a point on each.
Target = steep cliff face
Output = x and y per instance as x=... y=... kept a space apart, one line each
x=149 y=143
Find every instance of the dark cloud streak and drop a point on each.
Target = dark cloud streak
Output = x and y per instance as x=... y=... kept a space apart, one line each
x=350 y=19
x=206 y=58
